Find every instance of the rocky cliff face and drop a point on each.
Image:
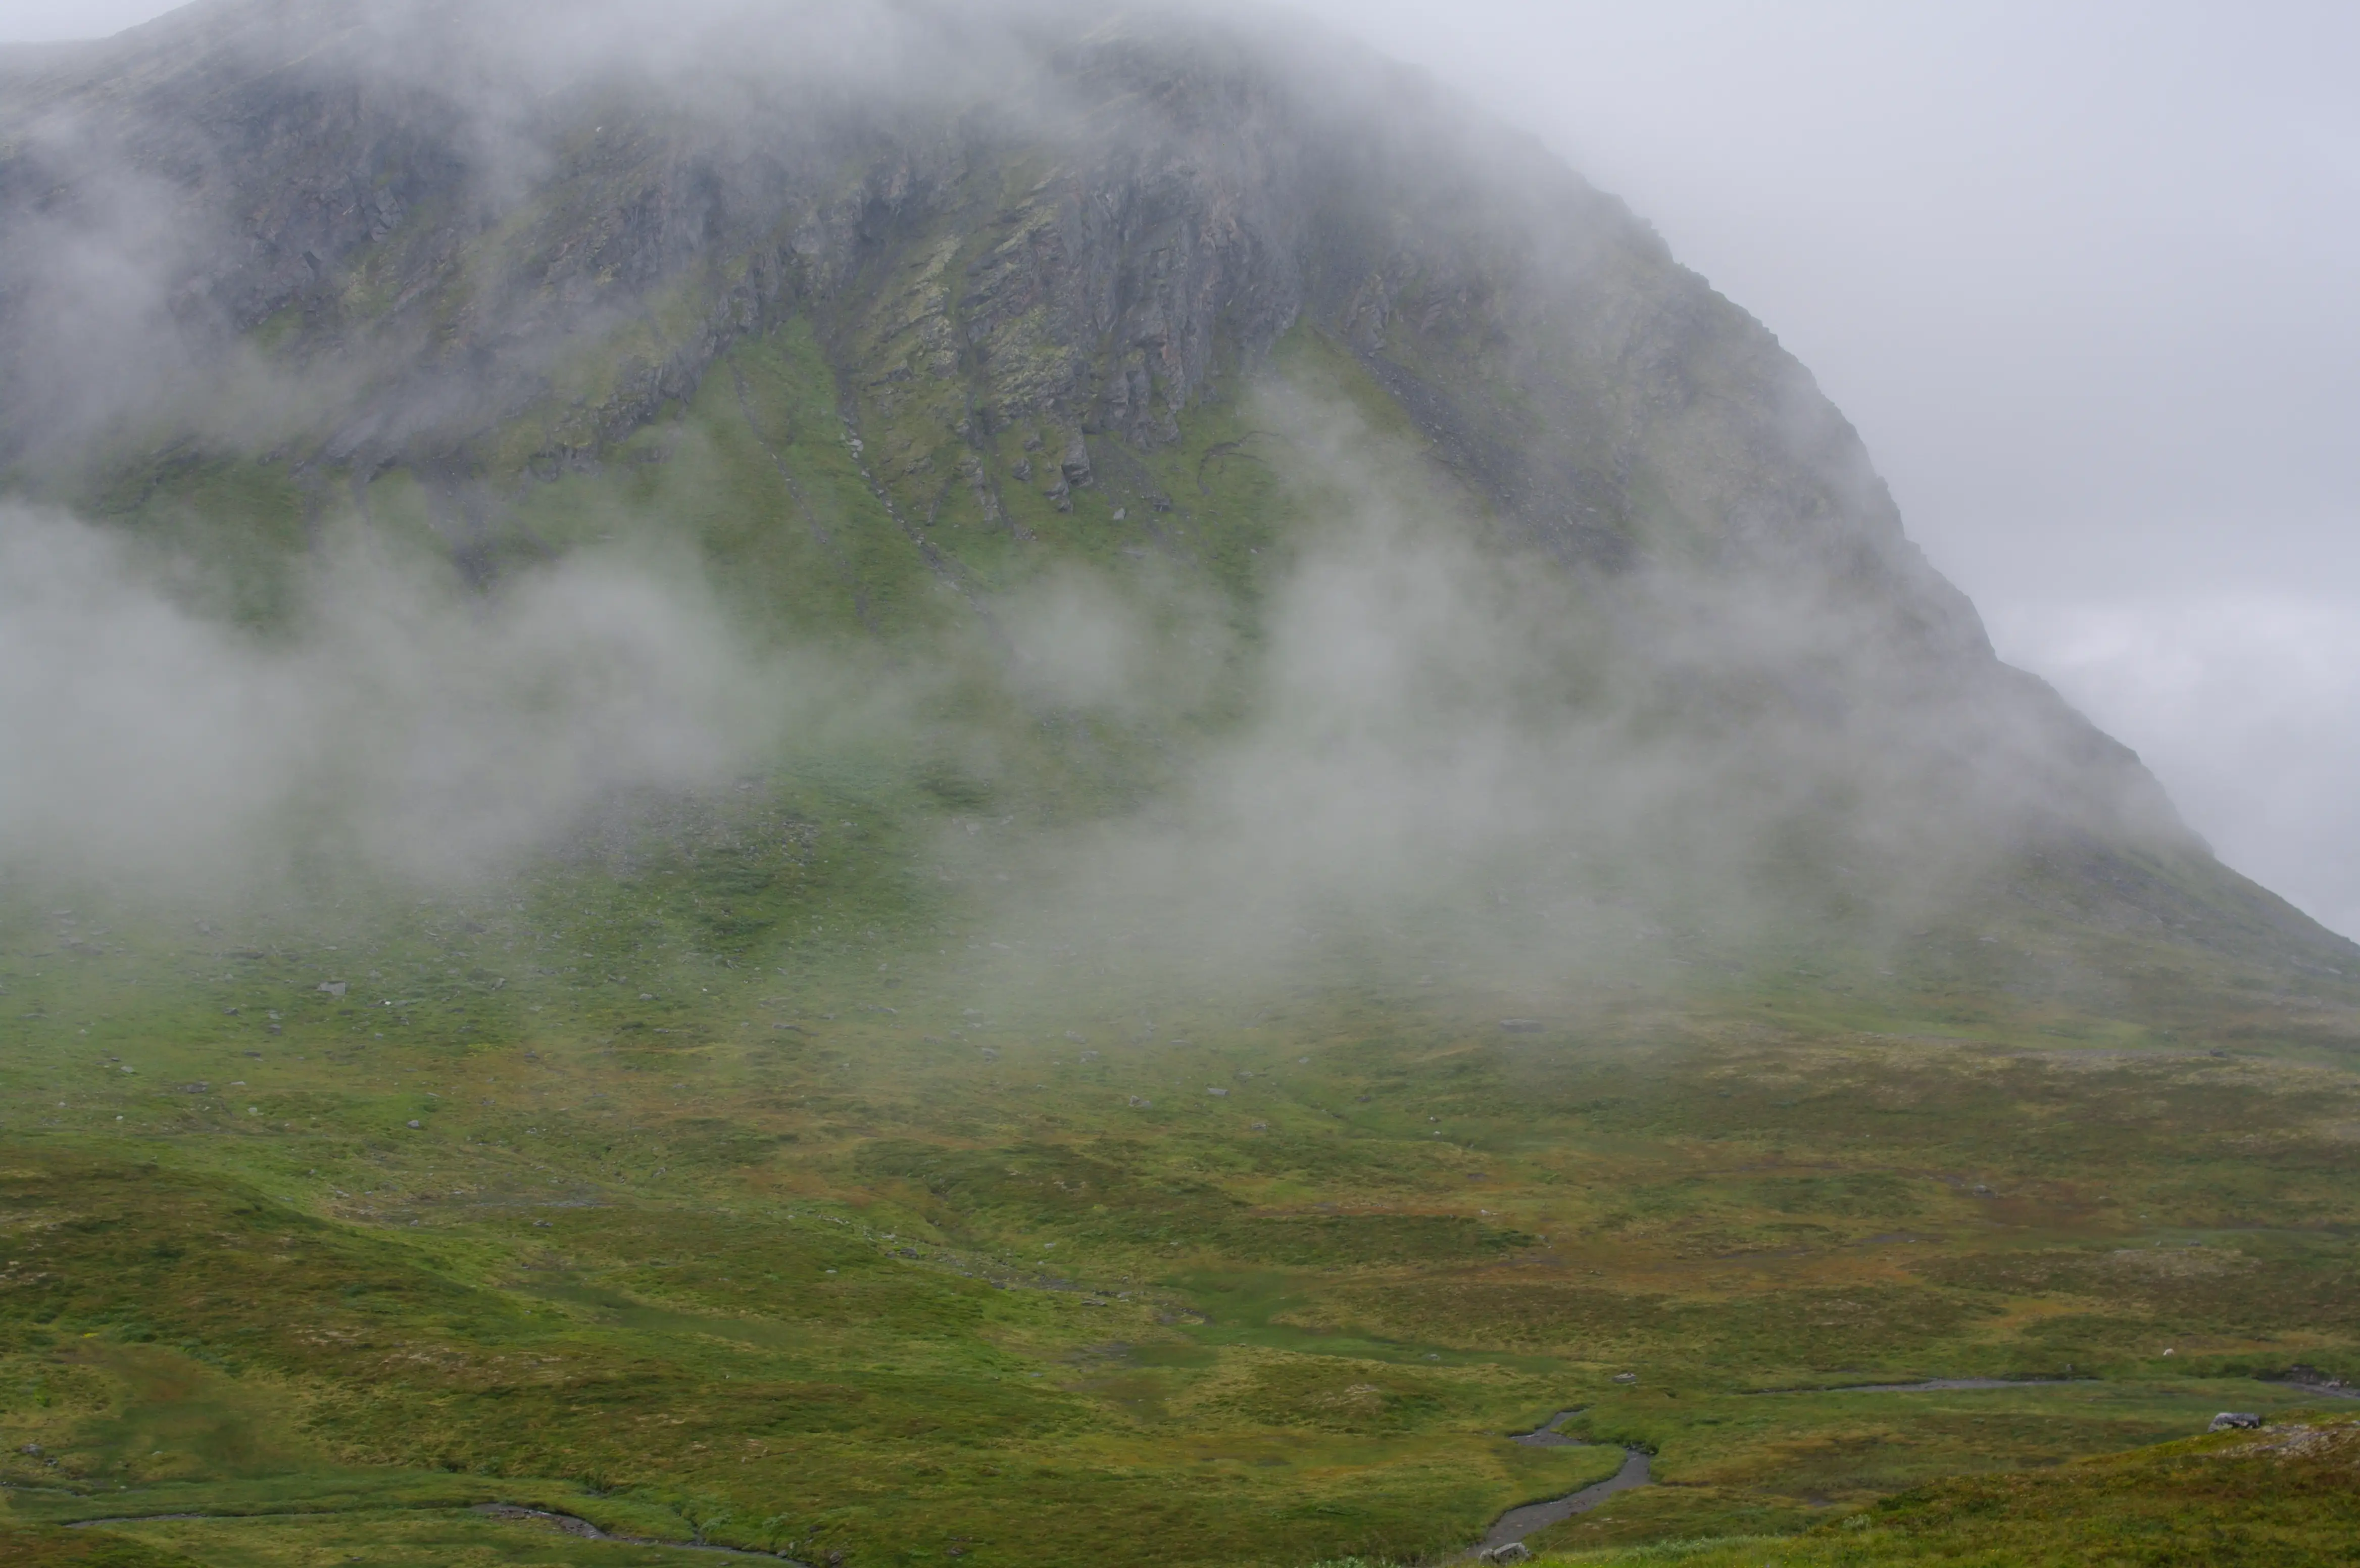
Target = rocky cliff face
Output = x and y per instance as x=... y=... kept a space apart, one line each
x=1141 y=210
x=493 y=246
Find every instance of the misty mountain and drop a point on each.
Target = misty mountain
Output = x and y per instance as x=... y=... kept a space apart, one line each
x=1222 y=446
x=890 y=781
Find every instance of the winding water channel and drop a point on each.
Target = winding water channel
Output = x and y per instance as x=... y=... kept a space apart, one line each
x=1517 y=1523
x=1511 y=1528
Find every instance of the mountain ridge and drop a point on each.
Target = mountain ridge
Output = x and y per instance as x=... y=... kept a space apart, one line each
x=1038 y=268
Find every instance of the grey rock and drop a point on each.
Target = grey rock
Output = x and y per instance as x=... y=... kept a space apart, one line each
x=2313 y=1378
x=1515 y=1551
x=2235 y=1420
x=335 y=987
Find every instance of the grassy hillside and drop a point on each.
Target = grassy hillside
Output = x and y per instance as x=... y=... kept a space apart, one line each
x=632 y=1198
x=2284 y=1495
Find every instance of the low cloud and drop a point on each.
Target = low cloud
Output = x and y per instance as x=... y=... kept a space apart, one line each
x=2242 y=703
x=404 y=724
x=1454 y=752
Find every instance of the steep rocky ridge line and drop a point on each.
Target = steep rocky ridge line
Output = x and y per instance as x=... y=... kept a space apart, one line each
x=1190 y=202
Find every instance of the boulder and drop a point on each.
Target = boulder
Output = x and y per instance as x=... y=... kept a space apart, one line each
x=2234 y=1421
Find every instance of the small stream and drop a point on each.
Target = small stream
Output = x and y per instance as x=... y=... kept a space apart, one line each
x=1518 y=1523
x=1511 y=1528
x=1508 y=1530
x=575 y=1525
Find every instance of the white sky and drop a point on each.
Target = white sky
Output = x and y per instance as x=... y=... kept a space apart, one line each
x=2082 y=271
x=39 y=21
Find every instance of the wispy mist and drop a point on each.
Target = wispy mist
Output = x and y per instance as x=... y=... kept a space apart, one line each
x=404 y=725
x=2245 y=702
x=1455 y=753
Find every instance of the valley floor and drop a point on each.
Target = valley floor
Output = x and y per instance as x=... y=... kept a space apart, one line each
x=316 y=1243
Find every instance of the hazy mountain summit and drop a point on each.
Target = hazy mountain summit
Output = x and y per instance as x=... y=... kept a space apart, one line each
x=1181 y=386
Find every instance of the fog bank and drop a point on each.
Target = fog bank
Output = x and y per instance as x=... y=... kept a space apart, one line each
x=402 y=724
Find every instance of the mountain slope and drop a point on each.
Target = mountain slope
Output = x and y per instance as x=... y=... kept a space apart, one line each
x=364 y=252
x=854 y=775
